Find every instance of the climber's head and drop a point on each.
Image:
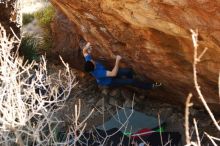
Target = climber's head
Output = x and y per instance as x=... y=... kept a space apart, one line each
x=89 y=66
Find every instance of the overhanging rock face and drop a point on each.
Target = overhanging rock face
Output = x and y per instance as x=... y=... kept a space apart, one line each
x=152 y=37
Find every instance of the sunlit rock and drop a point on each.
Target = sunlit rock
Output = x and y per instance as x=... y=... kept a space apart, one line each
x=152 y=36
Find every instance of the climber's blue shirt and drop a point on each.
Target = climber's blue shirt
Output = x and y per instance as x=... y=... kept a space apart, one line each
x=100 y=72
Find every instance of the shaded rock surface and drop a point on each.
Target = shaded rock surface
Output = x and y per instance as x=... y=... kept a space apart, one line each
x=152 y=36
x=8 y=17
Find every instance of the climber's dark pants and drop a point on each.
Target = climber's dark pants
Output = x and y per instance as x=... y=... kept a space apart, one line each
x=125 y=72
x=119 y=81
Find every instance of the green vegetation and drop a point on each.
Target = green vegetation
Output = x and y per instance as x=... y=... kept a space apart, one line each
x=47 y=41
x=28 y=48
x=27 y=18
x=31 y=46
x=45 y=16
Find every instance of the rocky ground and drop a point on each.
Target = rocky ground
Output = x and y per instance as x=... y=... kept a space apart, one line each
x=105 y=101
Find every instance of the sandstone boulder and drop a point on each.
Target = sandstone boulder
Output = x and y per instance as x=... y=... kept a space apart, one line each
x=152 y=36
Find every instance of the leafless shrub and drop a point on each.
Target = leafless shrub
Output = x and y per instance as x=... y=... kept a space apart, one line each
x=78 y=136
x=196 y=60
x=29 y=97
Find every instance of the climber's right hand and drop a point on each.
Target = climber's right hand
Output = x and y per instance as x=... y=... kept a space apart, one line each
x=85 y=49
x=87 y=45
x=118 y=57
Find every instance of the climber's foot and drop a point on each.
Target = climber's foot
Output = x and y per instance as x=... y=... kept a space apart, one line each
x=156 y=85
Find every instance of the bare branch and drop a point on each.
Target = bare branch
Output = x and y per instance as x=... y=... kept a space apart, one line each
x=219 y=86
x=195 y=44
x=188 y=104
x=211 y=139
x=161 y=138
x=201 y=55
x=197 y=132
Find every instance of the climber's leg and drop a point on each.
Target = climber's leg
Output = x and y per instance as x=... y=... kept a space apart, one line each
x=118 y=82
x=125 y=72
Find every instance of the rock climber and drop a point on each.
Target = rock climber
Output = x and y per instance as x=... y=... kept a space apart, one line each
x=112 y=78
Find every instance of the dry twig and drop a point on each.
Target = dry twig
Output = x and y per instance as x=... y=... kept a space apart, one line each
x=195 y=62
x=188 y=104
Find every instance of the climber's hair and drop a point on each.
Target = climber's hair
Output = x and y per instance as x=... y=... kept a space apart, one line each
x=89 y=66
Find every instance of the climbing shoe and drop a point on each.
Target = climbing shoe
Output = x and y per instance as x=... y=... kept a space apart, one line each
x=156 y=85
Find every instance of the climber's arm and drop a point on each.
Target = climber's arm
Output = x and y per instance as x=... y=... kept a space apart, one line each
x=114 y=71
x=85 y=50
